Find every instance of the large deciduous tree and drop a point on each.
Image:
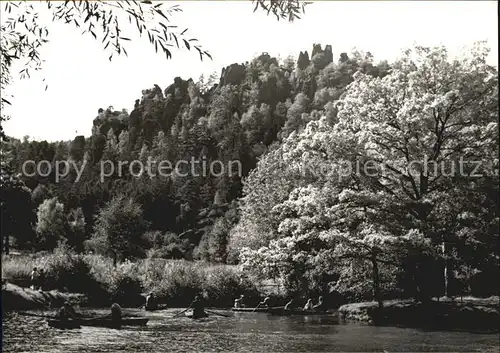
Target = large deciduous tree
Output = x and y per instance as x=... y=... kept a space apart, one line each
x=395 y=172
x=119 y=229
x=51 y=225
x=424 y=127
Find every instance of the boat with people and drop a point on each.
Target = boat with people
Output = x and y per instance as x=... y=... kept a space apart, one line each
x=289 y=309
x=97 y=322
x=126 y=321
x=250 y=310
x=281 y=311
x=68 y=318
x=196 y=310
x=309 y=309
x=63 y=324
x=240 y=306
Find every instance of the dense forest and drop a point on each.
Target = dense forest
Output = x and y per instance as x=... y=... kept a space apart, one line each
x=293 y=213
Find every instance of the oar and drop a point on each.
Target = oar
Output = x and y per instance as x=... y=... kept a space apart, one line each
x=182 y=312
x=216 y=313
x=256 y=307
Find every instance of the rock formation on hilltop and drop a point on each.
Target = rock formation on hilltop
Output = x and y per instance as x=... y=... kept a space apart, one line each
x=303 y=60
x=233 y=74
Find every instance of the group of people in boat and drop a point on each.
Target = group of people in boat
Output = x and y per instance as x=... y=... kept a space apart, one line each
x=240 y=302
x=291 y=305
x=319 y=306
x=197 y=305
x=67 y=312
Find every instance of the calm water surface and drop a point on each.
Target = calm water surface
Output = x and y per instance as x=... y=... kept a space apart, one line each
x=242 y=332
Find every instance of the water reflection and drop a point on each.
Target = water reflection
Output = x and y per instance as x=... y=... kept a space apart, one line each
x=242 y=332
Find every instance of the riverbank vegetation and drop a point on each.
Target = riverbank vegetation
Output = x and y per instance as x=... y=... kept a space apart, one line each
x=174 y=282
x=359 y=180
x=20 y=298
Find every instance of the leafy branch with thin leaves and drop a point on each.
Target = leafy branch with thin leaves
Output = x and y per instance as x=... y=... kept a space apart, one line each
x=153 y=20
x=282 y=9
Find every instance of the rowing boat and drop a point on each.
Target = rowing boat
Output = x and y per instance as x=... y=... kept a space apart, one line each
x=250 y=310
x=132 y=321
x=283 y=312
x=97 y=322
x=64 y=324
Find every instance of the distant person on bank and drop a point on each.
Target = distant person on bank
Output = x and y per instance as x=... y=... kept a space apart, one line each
x=41 y=280
x=34 y=278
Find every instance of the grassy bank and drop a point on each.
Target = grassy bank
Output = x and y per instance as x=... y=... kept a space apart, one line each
x=20 y=298
x=175 y=282
x=466 y=313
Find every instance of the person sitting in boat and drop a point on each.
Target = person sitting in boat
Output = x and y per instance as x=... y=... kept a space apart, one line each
x=238 y=303
x=264 y=303
x=151 y=303
x=116 y=312
x=289 y=305
x=198 y=307
x=309 y=305
x=66 y=312
x=320 y=306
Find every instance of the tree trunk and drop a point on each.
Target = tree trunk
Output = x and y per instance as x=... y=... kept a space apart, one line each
x=6 y=246
x=446 y=270
x=422 y=294
x=376 y=280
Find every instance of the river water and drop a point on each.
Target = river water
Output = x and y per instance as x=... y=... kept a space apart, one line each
x=241 y=332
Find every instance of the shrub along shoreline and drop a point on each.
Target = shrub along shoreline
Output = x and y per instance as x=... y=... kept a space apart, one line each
x=19 y=298
x=174 y=282
x=468 y=313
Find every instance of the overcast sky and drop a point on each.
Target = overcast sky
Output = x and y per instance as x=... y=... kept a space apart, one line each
x=81 y=79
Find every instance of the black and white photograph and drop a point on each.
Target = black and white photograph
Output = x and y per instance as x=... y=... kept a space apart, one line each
x=254 y=176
